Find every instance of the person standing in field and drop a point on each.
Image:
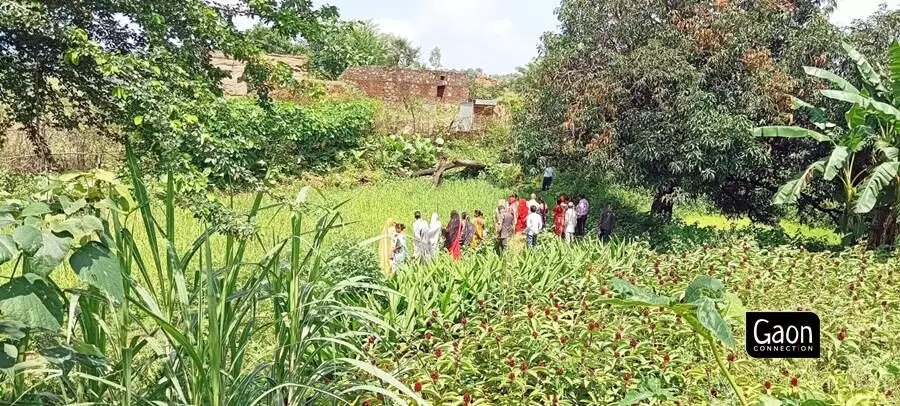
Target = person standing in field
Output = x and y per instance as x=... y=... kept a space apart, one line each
x=505 y=228
x=479 y=229
x=607 y=223
x=542 y=209
x=468 y=231
x=533 y=202
x=512 y=204
x=522 y=214
x=548 y=178
x=434 y=236
x=420 y=237
x=559 y=217
x=581 y=210
x=533 y=227
x=386 y=245
x=399 y=251
x=571 y=222
x=453 y=236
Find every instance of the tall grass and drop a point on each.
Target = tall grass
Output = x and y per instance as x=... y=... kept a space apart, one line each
x=180 y=314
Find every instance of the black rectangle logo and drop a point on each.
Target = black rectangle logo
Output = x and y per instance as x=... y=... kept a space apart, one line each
x=783 y=335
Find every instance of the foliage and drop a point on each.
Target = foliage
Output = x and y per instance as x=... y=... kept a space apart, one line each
x=663 y=95
x=71 y=70
x=434 y=59
x=396 y=153
x=545 y=325
x=242 y=144
x=147 y=321
x=871 y=136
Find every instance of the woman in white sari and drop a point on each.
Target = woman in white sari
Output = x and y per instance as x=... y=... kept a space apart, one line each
x=434 y=237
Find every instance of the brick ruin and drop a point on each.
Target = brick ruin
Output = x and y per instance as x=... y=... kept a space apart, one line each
x=399 y=84
x=232 y=84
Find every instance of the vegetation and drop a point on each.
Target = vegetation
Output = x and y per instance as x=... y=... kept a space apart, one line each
x=228 y=259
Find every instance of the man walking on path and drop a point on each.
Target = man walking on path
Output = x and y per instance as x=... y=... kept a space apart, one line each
x=548 y=178
x=607 y=223
x=420 y=237
x=505 y=228
x=582 y=212
x=533 y=227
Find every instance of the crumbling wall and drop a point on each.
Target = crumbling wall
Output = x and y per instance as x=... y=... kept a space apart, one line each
x=400 y=84
x=232 y=84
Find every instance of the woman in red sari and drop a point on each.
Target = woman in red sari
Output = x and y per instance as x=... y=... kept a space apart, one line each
x=559 y=217
x=522 y=215
x=453 y=236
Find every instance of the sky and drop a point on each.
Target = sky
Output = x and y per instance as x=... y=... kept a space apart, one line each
x=495 y=35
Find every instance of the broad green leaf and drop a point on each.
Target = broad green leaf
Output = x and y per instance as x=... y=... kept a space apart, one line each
x=637 y=295
x=868 y=73
x=31 y=301
x=856 y=116
x=790 y=191
x=710 y=318
x=790 y=132
x=8 y=250
x=11 y=330
x=878 y=179
x=52 y=253
x=97 y=266
x=73 y=207
x=90 y=223
x=704 y=287
x=734 y=308
x=836 y=162
x=138 y=120
x=6 y=219
x=838 y=81
x=894 y=54
x=848 y=97
x=35 y=209
x=28 y=238
x=885 y=110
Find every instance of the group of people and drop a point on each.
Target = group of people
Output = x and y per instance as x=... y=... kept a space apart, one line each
x=514 y=216
x=462 y=231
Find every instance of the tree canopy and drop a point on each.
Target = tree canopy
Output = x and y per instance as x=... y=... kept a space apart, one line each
x=664 y=95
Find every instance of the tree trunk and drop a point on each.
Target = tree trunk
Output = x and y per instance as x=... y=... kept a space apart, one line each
x=40 y=144
x=437 y=173
x=883 y=229
x=662 y=202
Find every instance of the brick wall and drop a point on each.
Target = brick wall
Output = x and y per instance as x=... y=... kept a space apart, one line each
x=233 y=86
x=398 y=84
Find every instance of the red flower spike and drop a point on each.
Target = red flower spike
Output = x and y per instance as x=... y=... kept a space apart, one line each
x=418 y=386
x=512 y=376
x=794 y=381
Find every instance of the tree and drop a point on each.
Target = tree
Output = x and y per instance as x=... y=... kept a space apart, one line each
x=663 y=93
x=435 y=58
x=346 y=44
x=872 y=136
x=401 y=52
x=67 y=64
x=272 y=42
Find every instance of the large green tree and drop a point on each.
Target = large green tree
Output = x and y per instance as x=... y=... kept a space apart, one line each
x=68 y=64
x=663 y=94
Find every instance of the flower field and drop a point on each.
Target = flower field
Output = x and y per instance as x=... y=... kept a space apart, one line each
x=543 y=328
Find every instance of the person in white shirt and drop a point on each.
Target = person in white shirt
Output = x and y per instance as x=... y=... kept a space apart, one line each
x=434 y=236
x=548 y=178
x=420 y=237
x=533 y=226
x=533 y=202
x=571 y=220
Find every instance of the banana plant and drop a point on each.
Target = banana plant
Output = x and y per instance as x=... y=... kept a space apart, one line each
x=873 y=120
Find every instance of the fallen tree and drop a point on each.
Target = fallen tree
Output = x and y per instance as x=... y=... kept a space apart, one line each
x=437 y=173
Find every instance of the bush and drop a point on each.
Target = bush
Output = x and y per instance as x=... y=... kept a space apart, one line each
x=503 y=175
x=395 y=152
x=241 y=144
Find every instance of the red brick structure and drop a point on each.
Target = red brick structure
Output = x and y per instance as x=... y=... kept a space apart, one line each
x=399 y=84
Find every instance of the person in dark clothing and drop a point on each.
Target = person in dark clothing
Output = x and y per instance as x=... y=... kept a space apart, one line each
x=505 y=228
x=453 y=235
x=468 y=230
x=607 y=223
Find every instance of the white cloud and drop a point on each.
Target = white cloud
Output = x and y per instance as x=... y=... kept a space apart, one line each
x=849 y=10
